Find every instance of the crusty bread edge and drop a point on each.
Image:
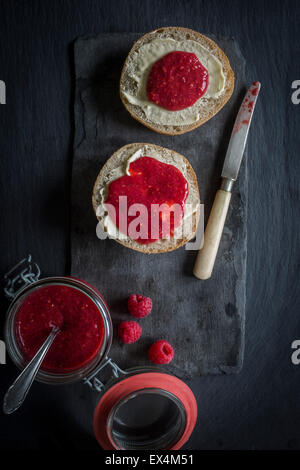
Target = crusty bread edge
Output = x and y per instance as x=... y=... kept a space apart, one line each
x=190 y=127
x=148 y=249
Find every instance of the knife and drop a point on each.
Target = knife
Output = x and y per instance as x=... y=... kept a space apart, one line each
x=206 y=256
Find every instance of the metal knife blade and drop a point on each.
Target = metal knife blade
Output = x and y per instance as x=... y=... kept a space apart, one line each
x=239 y=134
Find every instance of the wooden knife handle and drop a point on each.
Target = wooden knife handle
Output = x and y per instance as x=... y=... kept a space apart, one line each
x=206 y=257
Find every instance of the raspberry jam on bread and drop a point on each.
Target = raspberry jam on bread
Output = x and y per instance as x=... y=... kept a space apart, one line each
x=155 y=194
x=177 y=81
x=80 y=322
x=155 y=174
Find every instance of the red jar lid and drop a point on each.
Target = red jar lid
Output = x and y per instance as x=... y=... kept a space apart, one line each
x=143 y=383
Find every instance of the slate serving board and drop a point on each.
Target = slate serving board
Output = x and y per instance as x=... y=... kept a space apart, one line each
x=204 y=320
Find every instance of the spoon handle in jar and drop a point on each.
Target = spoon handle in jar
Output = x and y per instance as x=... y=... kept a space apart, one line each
x=17 y=392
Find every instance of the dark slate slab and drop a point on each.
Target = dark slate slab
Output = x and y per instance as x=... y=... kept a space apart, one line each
x=204 y=320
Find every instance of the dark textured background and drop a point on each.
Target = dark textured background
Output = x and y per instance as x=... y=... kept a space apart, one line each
x=204 y=321
x=258 y=408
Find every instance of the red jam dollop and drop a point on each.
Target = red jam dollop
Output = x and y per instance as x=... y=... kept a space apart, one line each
x=79 y=319
x=159 y=189
x=177 y=81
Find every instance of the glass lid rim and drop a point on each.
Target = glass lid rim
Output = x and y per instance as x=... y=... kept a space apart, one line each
x=148 y=390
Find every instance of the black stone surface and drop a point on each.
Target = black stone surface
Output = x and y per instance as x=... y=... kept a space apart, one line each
x=258 y=408
x=204 y=321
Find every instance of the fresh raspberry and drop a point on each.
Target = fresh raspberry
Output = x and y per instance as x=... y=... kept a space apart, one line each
x=161 y=352
x=139 y=306
x=129 y=331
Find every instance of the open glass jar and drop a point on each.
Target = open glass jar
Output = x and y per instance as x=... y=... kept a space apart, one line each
x=139 y=408
x=13 y=343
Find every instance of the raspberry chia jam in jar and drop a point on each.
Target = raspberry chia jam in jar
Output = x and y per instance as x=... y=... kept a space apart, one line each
x=77 y=309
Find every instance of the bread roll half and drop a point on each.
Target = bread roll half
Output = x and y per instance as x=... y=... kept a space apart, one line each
x=150 y=48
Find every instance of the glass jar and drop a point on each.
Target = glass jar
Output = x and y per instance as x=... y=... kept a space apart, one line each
x=12 y=342
x=139 y=408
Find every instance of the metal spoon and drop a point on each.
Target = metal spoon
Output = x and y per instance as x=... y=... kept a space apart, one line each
x=17 y=392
